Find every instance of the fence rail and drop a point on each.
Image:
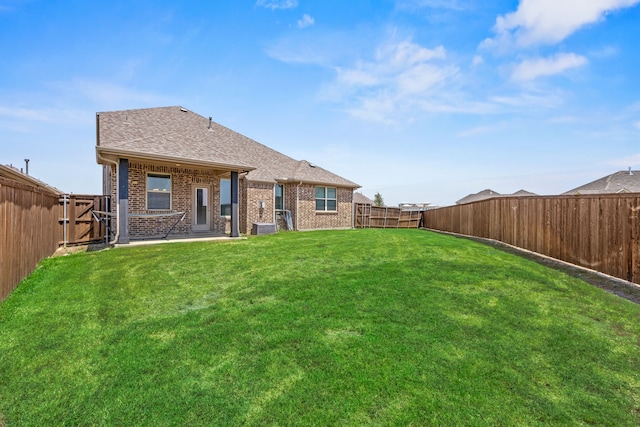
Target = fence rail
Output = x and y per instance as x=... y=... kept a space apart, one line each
x=600 y=232
x=368 y=216
x=28 y=218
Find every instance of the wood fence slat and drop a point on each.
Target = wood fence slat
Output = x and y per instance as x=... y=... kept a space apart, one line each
x=28 y=219
x=31 y=228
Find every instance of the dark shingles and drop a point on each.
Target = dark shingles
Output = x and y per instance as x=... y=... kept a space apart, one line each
x=175 y=132
x=619 y=182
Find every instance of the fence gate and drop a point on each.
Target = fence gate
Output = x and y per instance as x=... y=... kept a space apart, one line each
x=77 y=222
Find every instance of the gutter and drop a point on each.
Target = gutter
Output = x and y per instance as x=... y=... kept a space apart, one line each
x=129 y=154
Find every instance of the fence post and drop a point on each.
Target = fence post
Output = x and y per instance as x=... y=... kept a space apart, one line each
x=64 y=221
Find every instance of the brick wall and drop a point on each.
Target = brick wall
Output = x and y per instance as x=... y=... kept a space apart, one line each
x=309 y=219
x=256 y=192
x=290 y=204
x=183 y=181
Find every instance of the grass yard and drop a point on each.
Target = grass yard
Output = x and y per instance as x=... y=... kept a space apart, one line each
x=329 y=328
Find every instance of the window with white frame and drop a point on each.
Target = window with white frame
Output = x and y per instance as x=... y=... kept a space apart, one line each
x=326 y=199
x=158 y=191
x=225 y=197
x=279 y=202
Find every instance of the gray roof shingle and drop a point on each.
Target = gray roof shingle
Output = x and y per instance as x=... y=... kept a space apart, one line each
x=619 y=182
x=489 y=194
x=175 y=133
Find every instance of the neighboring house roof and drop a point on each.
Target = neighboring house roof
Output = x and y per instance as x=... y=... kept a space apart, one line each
x=522 y=193
x=482 y=195
x=490 y=194
x=361 y=199
x=17 y=175
x=176 y=134
x=619 y=182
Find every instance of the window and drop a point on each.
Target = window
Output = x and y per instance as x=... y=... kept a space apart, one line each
x=326 y=199
x=158 y=191
x=225 y=197
x=279 y=197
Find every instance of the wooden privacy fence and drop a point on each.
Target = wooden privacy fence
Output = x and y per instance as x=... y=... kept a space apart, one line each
x=600 y=232
x=368 y=216
x=35 y=222
x=28 y=223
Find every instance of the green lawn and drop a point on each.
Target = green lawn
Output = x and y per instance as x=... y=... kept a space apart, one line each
x=358 y=327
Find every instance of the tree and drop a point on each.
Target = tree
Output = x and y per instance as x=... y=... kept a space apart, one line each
x=378 y=200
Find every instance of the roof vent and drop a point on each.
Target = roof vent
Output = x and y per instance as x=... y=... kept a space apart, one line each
x=209 y=123
x=184 y=110
x=630 y=173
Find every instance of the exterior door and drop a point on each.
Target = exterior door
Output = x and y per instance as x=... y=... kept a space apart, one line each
x=201 y=209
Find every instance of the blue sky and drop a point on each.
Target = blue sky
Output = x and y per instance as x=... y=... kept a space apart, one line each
x=420 y=100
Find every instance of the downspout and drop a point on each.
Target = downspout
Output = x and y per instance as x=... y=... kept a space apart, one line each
x=298 y=204
x=116 y=163
x=353 y=212
x=273 y=203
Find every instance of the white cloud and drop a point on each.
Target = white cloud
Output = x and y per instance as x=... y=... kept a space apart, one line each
x=436 y=4
x=532 y=68
x=277 y=4
x=29 y=119
x=549 y=21
x=313 y=47
x=477 y=60
x=479 y=130
x=632 y=161
x=305 y=21
x=356 y=77
x=564 y=119
x=101 y=95
x=530 y=100
x=401 y=75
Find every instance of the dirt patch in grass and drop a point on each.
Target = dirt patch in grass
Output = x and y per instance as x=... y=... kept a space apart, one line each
x=622 y=288
x=91 y=247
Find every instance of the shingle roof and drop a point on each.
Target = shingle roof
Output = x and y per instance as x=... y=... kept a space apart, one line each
x=177 y=134
x=619 y=182
x=522 y=193
x=489 y=194
x=361 y=199
x=482 y=195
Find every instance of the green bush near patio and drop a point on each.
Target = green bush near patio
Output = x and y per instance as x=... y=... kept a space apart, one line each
x=356 y=327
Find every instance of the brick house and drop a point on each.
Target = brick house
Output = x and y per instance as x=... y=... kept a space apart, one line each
x=161 y=165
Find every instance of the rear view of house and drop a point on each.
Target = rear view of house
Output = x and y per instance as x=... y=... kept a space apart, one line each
x=169 y=170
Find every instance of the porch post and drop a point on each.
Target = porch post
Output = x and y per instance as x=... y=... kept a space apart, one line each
x=235 y=220
x=123 y=202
